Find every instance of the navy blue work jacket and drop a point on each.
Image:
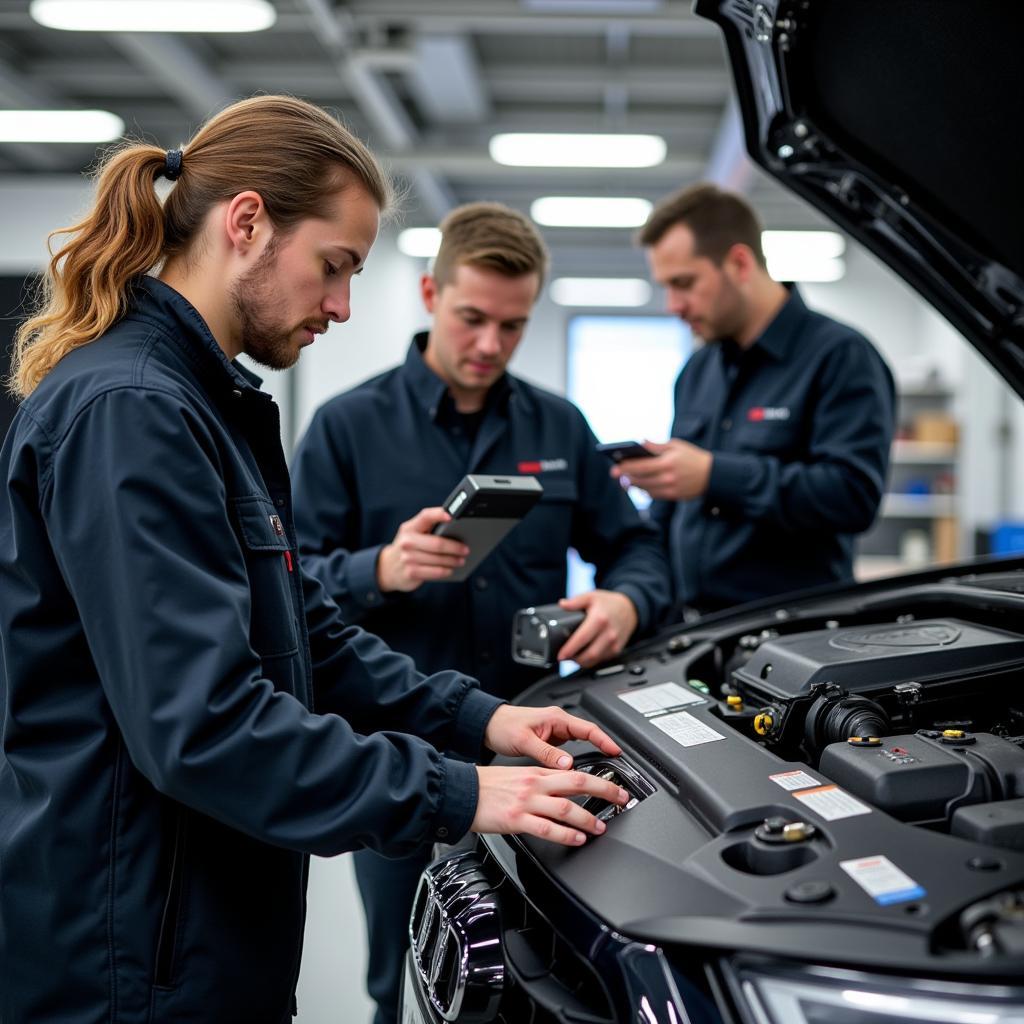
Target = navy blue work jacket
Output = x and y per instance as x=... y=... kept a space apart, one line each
x=184 y=714
x=799 y=426
x=374 y=456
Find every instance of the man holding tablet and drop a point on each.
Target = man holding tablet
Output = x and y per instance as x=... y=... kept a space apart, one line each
x=378 y=461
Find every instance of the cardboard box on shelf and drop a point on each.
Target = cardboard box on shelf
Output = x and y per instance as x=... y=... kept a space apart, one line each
x=936 y=427
x=945 y=540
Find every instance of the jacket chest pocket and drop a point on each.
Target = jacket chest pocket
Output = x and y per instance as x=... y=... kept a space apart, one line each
x=269 y=563
x=781 y=439
x=543 y=536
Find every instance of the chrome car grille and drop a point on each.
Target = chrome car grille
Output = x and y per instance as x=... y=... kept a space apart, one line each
x=455 y=933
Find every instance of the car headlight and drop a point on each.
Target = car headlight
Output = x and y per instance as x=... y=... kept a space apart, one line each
x=777 y=994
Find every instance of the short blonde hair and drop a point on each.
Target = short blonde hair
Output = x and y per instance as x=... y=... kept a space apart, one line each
x=493 y=236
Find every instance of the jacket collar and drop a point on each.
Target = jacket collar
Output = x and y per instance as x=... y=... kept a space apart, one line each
x=159 y=303
x=780 y=335
x=430 y=391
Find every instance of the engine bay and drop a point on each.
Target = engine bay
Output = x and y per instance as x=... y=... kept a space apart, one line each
x=800 y=771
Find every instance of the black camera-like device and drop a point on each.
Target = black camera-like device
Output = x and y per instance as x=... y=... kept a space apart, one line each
x=538 y=633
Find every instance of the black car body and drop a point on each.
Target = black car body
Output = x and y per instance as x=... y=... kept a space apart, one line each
x=828 y=813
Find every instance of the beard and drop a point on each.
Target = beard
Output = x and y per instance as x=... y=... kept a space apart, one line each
x=265 y=338
x=729 y=316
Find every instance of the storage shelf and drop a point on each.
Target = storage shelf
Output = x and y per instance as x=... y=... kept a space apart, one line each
x=920 y=452
x=918 y=506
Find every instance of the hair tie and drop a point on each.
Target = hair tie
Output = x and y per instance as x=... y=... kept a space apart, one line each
x=172 y=165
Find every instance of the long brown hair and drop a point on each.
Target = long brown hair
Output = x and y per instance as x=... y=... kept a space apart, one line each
x=292 y=153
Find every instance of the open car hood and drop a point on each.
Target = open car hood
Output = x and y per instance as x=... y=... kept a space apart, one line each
x=900 y=122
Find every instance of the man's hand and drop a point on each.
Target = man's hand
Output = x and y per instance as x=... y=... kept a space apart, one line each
x=677 y=472
x=535 y=801
x=536 y=733
x=609 y=623
x=416 y=555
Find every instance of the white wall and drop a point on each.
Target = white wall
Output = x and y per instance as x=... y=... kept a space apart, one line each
x=31 y=207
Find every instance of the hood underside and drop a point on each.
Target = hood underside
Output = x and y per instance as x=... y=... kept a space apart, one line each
x=899 y=121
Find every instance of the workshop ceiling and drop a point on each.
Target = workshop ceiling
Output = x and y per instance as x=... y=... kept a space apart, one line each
x=426 y=83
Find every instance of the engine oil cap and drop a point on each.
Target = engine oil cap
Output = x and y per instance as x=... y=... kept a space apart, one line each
x=810 y=892
x=864 y=741
x=956 y=736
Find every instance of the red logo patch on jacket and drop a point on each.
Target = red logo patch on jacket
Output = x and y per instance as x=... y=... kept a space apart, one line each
x=760 y=413
x=543 y=466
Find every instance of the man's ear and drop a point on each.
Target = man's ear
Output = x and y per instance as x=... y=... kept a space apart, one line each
x=246 y=223
x=429 y=291
x=741 y=261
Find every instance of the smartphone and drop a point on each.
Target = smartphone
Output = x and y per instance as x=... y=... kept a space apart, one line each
x=483 y=510
x=617 y=451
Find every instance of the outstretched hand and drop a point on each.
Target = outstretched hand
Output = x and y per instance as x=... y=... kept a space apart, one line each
x=537 y=733
x=535 y=801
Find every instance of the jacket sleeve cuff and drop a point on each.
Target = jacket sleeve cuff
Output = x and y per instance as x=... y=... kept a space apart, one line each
x=640 y=603
x=362 y=578
x=730 y=477
x=459 y=795
x=474 y=713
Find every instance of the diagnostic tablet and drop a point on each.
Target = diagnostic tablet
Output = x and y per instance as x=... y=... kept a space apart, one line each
x=483 y=510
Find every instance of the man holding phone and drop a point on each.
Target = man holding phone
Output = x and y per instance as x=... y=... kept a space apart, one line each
x=377 y=462
x=783 y=419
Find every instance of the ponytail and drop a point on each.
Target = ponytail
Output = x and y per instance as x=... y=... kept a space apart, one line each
x=84 y=291
x=295 y=155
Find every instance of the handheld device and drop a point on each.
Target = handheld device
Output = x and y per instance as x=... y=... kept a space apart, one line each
x=617 y=451
x=538 y=633
x=483 y=510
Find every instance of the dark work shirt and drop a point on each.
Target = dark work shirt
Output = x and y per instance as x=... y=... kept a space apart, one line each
x=799 y=425
x=374 y=456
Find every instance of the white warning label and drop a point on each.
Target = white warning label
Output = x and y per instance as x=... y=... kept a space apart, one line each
x=832 y=803
x=652 y=700
x=882 y=880
x=686 y=730
x=794 y=780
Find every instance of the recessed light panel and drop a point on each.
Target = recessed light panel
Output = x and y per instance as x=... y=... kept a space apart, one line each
x=154 y=15
x=590 y=211
x=550 y=149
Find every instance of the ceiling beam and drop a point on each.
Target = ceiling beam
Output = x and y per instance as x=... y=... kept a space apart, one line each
x=446 y=81
x=377 y=102
x=174 y=64
x=510 y=17
x=671 y=86
x=477 y=165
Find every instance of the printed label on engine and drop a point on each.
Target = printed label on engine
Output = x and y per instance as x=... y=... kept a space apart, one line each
x=686 y=730
x=794 y=780
x=882 y=880
x=653 y=700
x=832 y=803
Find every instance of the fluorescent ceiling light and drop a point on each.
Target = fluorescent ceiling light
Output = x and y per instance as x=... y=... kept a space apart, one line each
x=550 y=149
x=154 y=15
x=590 y=211
x=420 y=242
x=823 y=270
x=804 y=255
x=600 y=291
x=59 y=126
x=824 y=245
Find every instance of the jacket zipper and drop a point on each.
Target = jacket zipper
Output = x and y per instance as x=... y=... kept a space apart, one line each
x=164 y=965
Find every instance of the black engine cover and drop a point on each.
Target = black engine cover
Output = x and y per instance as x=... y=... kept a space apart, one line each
x=867 y=658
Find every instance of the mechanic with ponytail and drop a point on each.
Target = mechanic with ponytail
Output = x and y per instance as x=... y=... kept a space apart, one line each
x=184 y=717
